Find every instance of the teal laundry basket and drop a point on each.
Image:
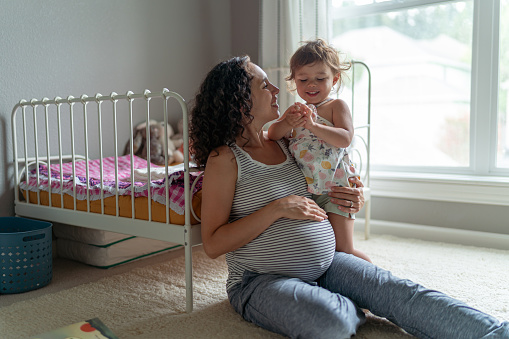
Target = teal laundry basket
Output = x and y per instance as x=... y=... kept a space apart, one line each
x=26 y=260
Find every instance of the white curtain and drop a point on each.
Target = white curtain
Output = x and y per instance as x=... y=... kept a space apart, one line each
x=284 y=24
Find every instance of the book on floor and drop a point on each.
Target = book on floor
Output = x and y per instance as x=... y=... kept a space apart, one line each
x=89 y=329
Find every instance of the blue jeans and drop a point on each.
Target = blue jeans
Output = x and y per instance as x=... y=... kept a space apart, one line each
x=331 y=306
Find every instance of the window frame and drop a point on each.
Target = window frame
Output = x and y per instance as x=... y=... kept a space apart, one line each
x=484 y=91
x=480 y=182
x=484 y=85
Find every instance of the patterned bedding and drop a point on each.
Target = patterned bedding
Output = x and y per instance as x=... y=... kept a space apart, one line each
x=63 y=180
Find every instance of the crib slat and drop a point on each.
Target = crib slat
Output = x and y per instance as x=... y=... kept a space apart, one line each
x=131 y=158
x=25 y=145
x=117 y=207
x=73 y=153
x=48 y=152
x=149 y=179
x=34 y=110
x=166 y=188
x=85 y=131
x=100 y=127
x=60 y=151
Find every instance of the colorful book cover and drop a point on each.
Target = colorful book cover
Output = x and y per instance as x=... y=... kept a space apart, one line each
x=90 y=329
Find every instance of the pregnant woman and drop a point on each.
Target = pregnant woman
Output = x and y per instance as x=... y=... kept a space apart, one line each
x=284 y=273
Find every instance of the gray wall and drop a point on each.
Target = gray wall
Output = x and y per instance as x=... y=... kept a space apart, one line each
x=62 y=47
x=455 y=215
x=244 y=33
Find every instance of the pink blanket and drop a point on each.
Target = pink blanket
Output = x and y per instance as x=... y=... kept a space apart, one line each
x=63 y=180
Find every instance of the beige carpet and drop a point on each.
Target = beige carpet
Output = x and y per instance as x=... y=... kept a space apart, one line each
x=149 y=302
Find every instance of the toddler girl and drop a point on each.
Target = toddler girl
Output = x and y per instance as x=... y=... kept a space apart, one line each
x=320 y=132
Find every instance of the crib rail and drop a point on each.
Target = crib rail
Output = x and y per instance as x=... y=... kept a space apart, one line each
x=45 y=131
x=84 y=100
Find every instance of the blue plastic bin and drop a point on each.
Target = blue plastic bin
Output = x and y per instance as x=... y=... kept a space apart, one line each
x=26 y=260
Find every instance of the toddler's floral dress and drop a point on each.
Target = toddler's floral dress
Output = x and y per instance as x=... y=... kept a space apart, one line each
x=323 y=165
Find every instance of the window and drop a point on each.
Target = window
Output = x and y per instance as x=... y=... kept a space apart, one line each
x=440 y=81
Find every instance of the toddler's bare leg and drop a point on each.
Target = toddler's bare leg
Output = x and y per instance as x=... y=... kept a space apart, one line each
x=343 y=231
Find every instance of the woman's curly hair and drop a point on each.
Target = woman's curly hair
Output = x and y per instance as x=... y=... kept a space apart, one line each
x=221 y=108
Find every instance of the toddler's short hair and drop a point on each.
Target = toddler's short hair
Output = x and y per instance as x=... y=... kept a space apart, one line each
x=318 y=51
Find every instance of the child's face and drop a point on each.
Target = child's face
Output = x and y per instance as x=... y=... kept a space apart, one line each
x=314 y=82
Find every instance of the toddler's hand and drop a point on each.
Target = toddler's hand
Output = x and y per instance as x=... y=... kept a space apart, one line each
x=312 y=111
x=309 y=113
x=294 y=117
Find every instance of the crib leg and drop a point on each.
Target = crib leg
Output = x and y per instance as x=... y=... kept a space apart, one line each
x=189 y=273
x=367 y=219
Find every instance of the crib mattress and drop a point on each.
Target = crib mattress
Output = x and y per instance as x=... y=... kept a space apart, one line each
x=124 y=203
x=82 y=180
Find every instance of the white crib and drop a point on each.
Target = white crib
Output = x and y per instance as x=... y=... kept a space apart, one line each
x=39 y=131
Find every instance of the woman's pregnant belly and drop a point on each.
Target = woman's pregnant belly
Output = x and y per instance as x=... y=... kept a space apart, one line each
x=296 y=248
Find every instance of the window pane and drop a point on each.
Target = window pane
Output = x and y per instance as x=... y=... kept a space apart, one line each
x=503 y=89
x=420 y=60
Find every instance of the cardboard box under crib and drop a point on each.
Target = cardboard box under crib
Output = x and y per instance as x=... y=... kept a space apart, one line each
x=26 y=261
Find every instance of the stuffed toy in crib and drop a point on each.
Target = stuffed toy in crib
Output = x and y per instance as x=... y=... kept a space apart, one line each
x=156 y=142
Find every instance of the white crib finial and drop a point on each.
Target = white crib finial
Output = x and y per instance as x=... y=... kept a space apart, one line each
x=84 y=98
x=113 y=96
x=70 y=99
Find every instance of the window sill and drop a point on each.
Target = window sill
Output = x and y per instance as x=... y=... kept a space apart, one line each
x=441 y=187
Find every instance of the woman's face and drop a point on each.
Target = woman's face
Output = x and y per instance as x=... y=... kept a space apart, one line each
x=263 y=95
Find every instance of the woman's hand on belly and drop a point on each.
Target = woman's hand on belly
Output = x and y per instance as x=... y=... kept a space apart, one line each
x=301 y=208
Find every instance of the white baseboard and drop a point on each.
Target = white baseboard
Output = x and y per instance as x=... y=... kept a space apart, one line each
x=439 y=234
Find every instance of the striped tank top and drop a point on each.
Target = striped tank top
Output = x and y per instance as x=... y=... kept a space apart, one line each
x=297 y=248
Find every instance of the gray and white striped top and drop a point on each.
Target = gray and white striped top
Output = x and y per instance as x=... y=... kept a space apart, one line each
x=296 y=248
